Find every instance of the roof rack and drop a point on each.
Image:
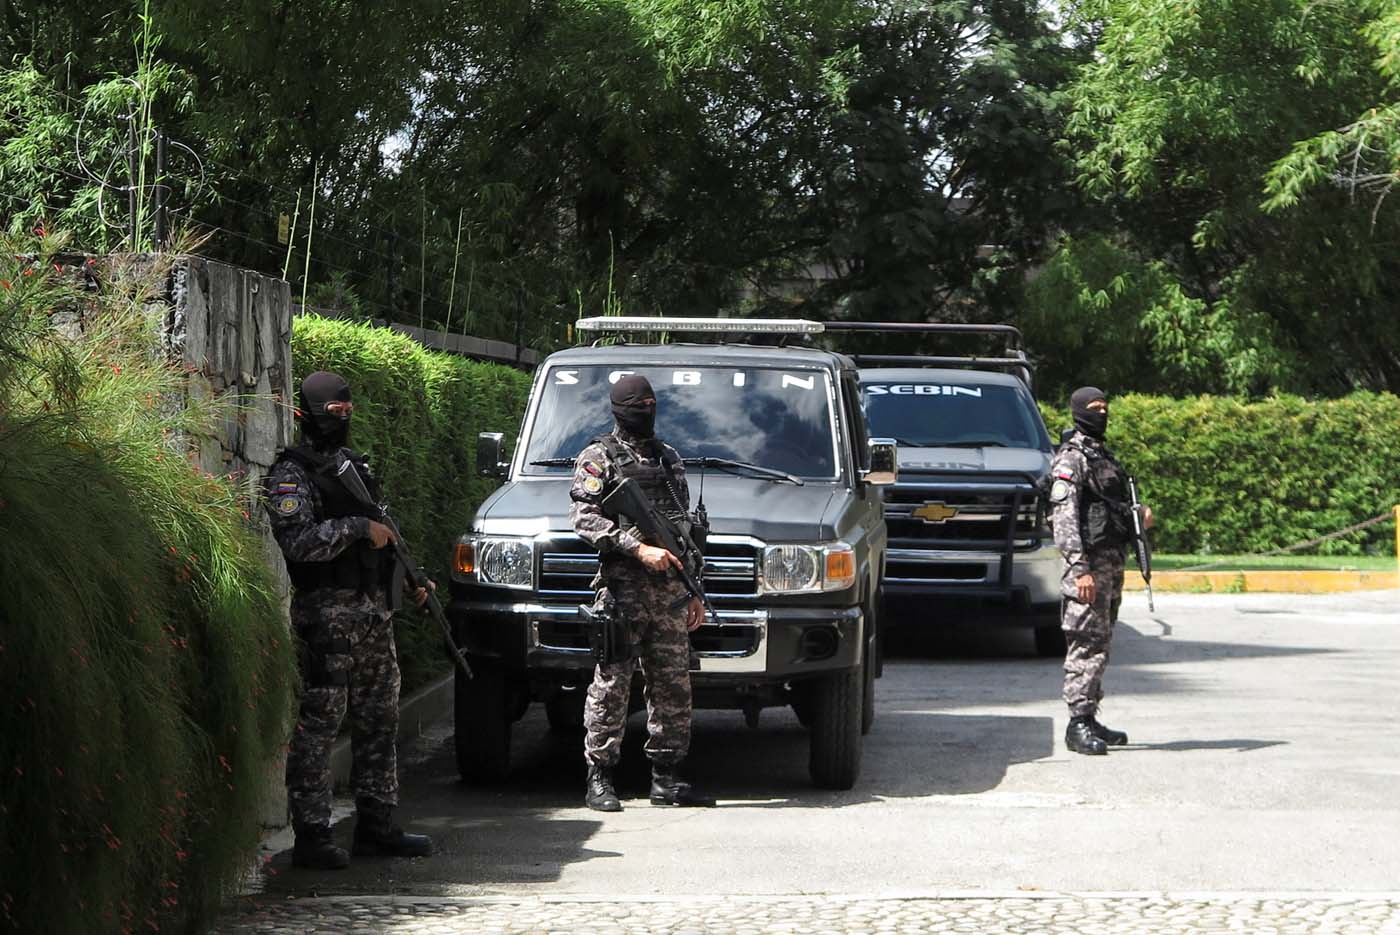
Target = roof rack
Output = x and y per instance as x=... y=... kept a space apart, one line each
x=920 y=360
x=1012 y=333
x=1014 y=361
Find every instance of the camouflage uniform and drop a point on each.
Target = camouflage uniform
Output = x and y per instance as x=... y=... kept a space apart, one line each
x=1088 y=627
x=348 y=659
x=652 y=604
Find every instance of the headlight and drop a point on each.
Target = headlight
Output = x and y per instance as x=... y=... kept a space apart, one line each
x=789 y=569
x=499 y=560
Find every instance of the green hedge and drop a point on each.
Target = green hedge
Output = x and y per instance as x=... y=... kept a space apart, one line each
x=1227 y=476
x=417 y=415
x=148 y=682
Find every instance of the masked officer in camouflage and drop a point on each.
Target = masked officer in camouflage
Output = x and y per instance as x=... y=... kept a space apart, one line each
x=1093 y=526
x=635 y=583
x=346 y=585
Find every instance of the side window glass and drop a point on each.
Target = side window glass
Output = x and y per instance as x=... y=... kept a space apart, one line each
x=855 y=422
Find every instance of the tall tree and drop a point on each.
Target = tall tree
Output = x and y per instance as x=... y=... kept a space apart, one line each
x=1176 y=123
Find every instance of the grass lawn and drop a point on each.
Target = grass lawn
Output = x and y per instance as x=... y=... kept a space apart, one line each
x=1273 y=562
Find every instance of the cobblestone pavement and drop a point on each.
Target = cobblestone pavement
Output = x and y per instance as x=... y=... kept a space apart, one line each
x=1093 y=914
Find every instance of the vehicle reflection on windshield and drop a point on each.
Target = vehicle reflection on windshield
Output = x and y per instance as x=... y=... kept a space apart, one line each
x=779 y=419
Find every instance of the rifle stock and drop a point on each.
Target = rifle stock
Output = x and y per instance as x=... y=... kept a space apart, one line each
x=350 y=477
x=627 y=500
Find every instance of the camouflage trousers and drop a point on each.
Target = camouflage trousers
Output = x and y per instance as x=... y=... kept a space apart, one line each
x=660 y=634
x=1088 y=632
x=349 y=663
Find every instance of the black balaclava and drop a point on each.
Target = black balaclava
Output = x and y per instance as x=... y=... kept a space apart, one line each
x=1089 y=422
x=321 y=428
x=633 y=415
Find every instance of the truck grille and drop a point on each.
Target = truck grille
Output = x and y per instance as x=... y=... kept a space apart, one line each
x=567 y=567
x=946 y=517
x=725 y=640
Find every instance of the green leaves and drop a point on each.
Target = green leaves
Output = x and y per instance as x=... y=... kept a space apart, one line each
x=1227 y=476
x=1199 y=127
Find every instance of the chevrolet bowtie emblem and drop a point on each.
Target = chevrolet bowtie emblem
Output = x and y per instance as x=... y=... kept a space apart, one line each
x=935 y=512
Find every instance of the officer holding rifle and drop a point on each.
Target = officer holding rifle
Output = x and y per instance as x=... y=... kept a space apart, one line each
x=348 y=569
x=1096 y=516
x=647 y=596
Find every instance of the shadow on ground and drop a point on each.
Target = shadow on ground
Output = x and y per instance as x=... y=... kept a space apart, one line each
x=929 y=740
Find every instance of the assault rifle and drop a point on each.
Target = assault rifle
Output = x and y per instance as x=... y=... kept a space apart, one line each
x=350 y=477
x=1141 y=546
x=627 y=500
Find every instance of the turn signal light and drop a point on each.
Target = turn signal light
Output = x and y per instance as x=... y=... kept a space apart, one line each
x=840 y=567
x=464 y=558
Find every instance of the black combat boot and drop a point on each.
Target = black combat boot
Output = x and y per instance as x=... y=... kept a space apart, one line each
x=315 y=850
x=1080 y=737
x=669 y=789
x=599 y=793
x=1114 y=738
x=377 y=836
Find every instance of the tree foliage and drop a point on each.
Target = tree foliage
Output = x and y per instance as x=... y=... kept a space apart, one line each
x=574 y=156
x=1177 y=123
x=1193 y=188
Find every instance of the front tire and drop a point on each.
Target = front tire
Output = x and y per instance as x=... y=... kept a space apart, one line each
x=835 y=732
x=482 y=728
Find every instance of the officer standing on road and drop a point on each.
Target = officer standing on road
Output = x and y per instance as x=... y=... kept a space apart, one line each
x=636 y=585
x=1093 y=526
x=346 y=584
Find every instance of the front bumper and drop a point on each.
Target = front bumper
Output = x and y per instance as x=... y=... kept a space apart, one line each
x=1025 y=583
x=748 y=645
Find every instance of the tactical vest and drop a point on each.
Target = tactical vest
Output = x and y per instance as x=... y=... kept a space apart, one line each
x=360 y=567
x=1104 y=519
x=657 y=481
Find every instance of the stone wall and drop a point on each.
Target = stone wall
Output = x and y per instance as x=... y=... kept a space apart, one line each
x=232 y=330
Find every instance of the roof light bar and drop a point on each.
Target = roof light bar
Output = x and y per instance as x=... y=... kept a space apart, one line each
x=625 y=323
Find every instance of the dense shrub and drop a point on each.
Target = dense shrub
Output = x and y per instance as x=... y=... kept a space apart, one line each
x=1228 y=476
x=148 y=680
x=417 y=414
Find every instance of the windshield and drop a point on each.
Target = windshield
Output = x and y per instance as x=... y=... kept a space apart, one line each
x=778 y=419
x=937 y=415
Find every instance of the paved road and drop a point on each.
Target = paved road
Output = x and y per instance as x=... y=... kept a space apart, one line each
x=1265 y=759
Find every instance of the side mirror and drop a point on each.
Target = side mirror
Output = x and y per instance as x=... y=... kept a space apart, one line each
x=884 y=462
x=490 y=454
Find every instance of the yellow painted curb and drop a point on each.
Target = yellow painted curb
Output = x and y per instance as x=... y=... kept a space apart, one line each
x=1240 y=582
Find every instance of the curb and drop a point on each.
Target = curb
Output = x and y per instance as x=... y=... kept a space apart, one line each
x=416 y=714
x=534 y=900
x=1242 y=582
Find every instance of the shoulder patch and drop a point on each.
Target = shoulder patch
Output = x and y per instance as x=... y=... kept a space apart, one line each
x=593 y=468
x=288 y=505
x=1059 y=491
x=286 y=487
x=1064 y=473
x=592 y=485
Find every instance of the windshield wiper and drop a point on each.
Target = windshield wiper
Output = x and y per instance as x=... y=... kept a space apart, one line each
x=553 y=462
x=724 y=464
x=974 y=444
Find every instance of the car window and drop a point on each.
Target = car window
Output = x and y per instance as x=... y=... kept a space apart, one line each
x=933 y=415
x=854 y=414
x=767 y=416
